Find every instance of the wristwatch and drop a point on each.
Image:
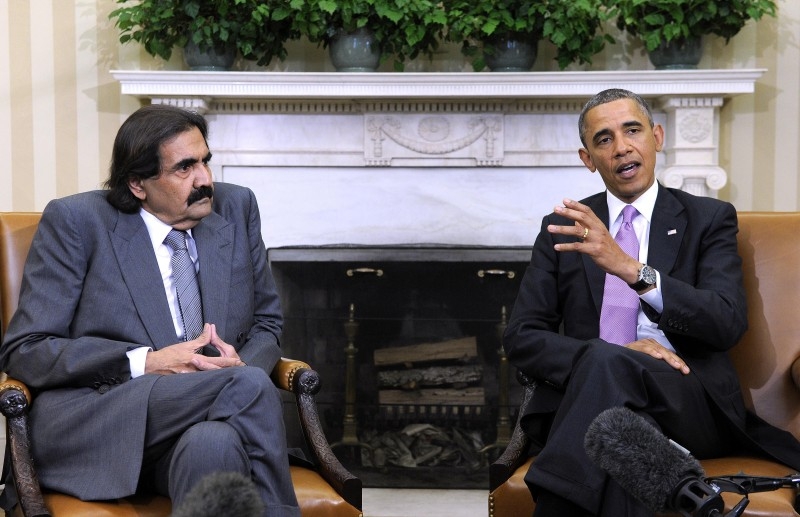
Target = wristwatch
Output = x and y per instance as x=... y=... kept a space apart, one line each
x=647 y=277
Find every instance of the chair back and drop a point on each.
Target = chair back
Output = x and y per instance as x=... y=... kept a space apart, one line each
x=770 y=251
x=16 y=234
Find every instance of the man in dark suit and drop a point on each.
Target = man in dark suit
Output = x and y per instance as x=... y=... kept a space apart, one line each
x=131 y=394
x=688 y=309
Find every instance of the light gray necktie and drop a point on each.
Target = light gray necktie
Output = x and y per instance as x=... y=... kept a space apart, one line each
x=185 y=279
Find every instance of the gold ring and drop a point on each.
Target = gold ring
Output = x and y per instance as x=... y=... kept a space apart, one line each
x=585 y=233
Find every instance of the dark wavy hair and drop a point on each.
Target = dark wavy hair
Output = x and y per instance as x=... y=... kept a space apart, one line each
x=136 y=148
x=610 y=95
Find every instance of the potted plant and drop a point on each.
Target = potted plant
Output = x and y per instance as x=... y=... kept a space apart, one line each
x=402 y=29
x=667 y=26
x=219 y=28
x=574 y=27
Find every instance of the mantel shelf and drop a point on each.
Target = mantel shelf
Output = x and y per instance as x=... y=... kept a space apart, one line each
x=411 y=158
x=461 y=85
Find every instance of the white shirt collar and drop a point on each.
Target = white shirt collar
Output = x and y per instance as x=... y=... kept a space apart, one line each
x=158 y=230
x=645 y=204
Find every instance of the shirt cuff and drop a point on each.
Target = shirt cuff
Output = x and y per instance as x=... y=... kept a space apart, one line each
x=137 y=358
x=653 y=297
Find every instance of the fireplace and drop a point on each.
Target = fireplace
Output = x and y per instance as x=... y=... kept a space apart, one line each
x=363 y=172
x=407 y=341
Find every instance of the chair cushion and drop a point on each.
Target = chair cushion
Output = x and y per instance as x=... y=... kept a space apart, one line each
x=316 y=497
x=513 y=498
x=137 y=506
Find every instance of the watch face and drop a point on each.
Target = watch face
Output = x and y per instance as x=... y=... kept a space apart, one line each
x=648 y=275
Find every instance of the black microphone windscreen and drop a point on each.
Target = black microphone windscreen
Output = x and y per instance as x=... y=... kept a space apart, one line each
x=222 y=493
x=639 y=457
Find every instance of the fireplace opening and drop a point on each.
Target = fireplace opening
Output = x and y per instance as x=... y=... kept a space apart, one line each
x=407 y=341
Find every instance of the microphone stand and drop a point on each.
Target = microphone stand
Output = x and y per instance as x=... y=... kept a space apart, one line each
x=707 y=503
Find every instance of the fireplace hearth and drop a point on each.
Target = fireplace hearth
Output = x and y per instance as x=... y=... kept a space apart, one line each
x=407 y=340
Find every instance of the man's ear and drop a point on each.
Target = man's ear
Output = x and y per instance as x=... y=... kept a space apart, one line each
x=586 y=159
x=136 y=188
x=658 y=134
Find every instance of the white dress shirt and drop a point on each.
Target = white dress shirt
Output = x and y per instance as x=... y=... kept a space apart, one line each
x=645 y=204
x=158 y=232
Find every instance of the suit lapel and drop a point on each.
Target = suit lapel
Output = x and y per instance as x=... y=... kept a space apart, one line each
x=666 y=231
x=214 y=238
x=140 y=272
x=595 y=276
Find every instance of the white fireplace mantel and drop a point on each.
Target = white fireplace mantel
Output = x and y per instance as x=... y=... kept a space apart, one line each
x=396 y=156
x=214 y=86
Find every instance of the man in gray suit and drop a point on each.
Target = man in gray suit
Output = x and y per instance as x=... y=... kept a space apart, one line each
x=101 y=330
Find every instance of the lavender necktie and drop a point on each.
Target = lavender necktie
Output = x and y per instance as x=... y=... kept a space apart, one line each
x=620 y=311
x=184 y=277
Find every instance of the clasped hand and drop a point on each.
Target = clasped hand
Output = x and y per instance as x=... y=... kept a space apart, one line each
x=184 y=357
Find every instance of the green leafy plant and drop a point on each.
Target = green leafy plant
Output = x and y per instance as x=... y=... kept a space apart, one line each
x=161 y=25
x=404 y=29
x=661 y=21
x=574 y=27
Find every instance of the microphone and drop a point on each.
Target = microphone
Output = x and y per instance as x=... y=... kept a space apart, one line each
x=222 y=493
x=658 y=472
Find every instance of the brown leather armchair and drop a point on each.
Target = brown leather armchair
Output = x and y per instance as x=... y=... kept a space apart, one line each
x=329 y=490
x=767 y=360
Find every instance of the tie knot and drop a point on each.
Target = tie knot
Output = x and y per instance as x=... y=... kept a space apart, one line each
x=629 y=213
x=176 y=239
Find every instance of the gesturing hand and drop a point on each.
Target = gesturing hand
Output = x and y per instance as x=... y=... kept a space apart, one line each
x=594 y=240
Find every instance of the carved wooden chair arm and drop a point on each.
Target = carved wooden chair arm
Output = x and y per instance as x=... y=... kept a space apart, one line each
x=515 y=453
x=15 y=398
x=299 y=378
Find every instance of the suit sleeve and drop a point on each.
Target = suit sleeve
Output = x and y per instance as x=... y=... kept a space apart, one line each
x=262 y=345
x=550 y=296
x=38 y=347
x=705 y=307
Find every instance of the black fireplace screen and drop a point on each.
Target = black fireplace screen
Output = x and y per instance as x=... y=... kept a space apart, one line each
x=407 y=341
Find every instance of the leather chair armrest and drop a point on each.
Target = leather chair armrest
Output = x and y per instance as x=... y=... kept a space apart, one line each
x=283 y=375
x=515 y=453
x=7 y=383
x=15 y=398
x=299 y=378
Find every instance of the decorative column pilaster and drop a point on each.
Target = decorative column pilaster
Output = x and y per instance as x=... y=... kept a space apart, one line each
x=692 y=145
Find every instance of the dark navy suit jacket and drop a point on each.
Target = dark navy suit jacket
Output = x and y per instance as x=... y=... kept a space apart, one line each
x=693 y=246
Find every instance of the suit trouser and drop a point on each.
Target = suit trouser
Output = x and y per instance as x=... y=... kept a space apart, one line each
x=608 y=376
x=219 y=420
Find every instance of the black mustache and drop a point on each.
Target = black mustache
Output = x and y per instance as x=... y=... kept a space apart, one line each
x=200 y=193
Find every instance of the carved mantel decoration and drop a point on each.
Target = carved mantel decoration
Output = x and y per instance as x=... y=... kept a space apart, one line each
x=322 y=126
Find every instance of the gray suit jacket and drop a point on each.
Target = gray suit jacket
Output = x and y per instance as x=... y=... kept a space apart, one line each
x=92 y=291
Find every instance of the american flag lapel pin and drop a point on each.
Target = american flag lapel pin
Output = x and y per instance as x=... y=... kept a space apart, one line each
x=672 y=231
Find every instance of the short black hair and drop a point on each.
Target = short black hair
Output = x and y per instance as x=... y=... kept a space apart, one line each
x=610 y=95
x=136 y=148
